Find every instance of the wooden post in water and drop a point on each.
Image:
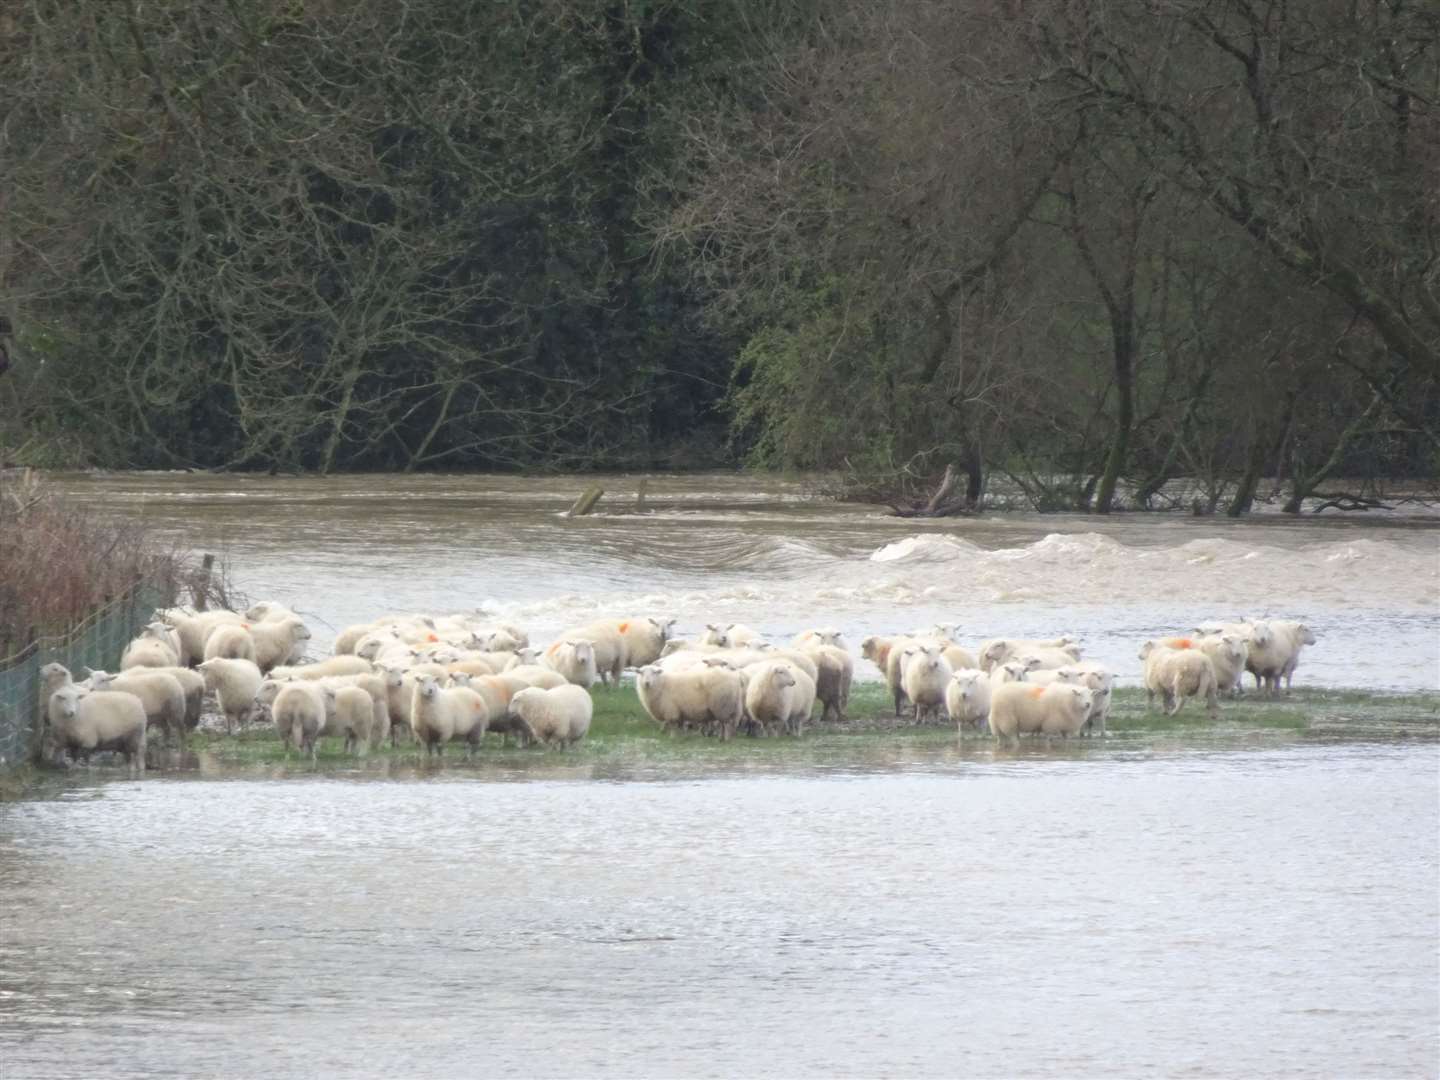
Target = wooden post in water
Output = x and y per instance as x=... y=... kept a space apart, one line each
x=200 y=593
x=640 y=495
x=586 y=502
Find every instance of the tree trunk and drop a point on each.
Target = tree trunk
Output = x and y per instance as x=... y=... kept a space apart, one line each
x=1259 y=452
x=1304 y=484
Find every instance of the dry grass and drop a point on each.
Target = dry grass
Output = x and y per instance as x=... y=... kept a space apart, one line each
x=58 y=562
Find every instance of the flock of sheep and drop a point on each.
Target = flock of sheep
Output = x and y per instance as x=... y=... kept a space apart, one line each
x=455 y=678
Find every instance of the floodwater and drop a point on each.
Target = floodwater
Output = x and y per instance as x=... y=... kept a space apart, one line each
x=730 y=548
x=1250 y=913
x=1262 y=908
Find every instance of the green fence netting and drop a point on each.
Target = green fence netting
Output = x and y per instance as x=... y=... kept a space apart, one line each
x=97 y=642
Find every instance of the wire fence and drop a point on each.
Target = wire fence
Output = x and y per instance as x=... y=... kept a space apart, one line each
x=96 y=642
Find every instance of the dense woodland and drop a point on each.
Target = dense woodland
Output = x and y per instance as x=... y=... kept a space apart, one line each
x=1081 y=246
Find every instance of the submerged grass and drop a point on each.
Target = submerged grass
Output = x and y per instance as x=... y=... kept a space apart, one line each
x=622 y=734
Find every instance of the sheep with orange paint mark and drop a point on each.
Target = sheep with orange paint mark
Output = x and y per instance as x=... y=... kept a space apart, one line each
x=1019 y=708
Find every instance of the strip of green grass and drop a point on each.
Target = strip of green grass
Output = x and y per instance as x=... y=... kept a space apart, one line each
x=621 y=732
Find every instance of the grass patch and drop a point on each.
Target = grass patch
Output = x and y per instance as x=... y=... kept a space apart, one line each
x=621 y=734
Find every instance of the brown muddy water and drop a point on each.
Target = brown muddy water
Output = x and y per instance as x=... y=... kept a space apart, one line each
x=1262 y=909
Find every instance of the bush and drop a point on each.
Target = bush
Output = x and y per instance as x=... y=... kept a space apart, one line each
x=59 y=562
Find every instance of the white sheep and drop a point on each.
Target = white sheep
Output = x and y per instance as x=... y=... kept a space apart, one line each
x=1047 y=659
x=276 y=642
x=1100 y=683
x=1227 y=652
x=574 y=661
x=1010 y=671
x=770 y=695
x=711 y=699
x=1176 y=674
x=234 y=684
x=268 y=611
x=324 y=669
x=560 y=715
x=300 y=710
x=535 y=675
x=156 y=646
x=643 y=639
x=352 y=717
x=374 y=686
x=740 y=636
x=608 y=644
x=999 y=650
x=194 y=629
x=81 y=723
x=924 y=675
x=893 y=651
x=161 y=695
x=1279 y=654
x=834 y=672
x=439 y=715
x=193 y=683
x=967 y=699
x=1020 y=709
x=229 y=642
x=809 y=639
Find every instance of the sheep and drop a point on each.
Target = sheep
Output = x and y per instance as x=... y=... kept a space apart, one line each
x=352 y=717
x=1047 y=659
x=1019 y=709
x=1010 y=671
x=924 y=674
x=1101 y=685
x=1177 y=674
x=958 y=657
x=559 y=715
x=268 y=611
x=834 y=671
x=1000 y=650
x=609 y=645
x=81 y=723
x=161 y=695
x=234 y=684
x=324 y=669
x=1299 y=636
x=714 y=634
x=536 y=675
x=809 y=639
x=709 y=698
x=739 y=636
x=1228 y=652
x=300 y=711
x=770 y=695
x=374 y=687
x=193 y=684
x=229 y=642
x=967 y=698
x=894 y=665
x=194 y=629
x=699 y=655
x=156 y=646
x=644 y=639
x=574 y=661
x=1274 y=651
x=277 y=641
x=439 y=715
x=399 y=695
x=498 y=690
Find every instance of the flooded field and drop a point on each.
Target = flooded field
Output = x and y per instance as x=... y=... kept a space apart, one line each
x=756 y=550
x=1258 y=913
x=1207 y=902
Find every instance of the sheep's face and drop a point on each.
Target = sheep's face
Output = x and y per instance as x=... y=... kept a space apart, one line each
x=1084 y=697
x=1261 y=635
x=1147 y=649
x=1030 y=662
x=394 y=677
x=782 y=678
x=870 y=648
x=429 y=688
x=101 y=680
x=1307 y=636
x=995 y=651
x=665 y=627
x=69 y=703
x=1014 y=671
x=649 y=677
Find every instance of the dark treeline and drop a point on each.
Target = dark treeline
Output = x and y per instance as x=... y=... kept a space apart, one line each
x=1086 y=246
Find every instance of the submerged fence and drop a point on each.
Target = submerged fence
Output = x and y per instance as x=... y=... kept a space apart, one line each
x=97 y=642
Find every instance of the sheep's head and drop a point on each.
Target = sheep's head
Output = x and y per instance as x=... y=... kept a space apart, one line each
x=995 y=651
x=665 y=627
x=1146 y=649
x=1014 y=671
x=100 y=680
x=1307 y=636
x=648 y=677
x=428 y=687
x=1261 y=635
x=1030 y=661
x=1085 y=696
x=782 y=676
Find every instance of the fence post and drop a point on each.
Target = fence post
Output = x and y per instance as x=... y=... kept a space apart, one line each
x=201 y=593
